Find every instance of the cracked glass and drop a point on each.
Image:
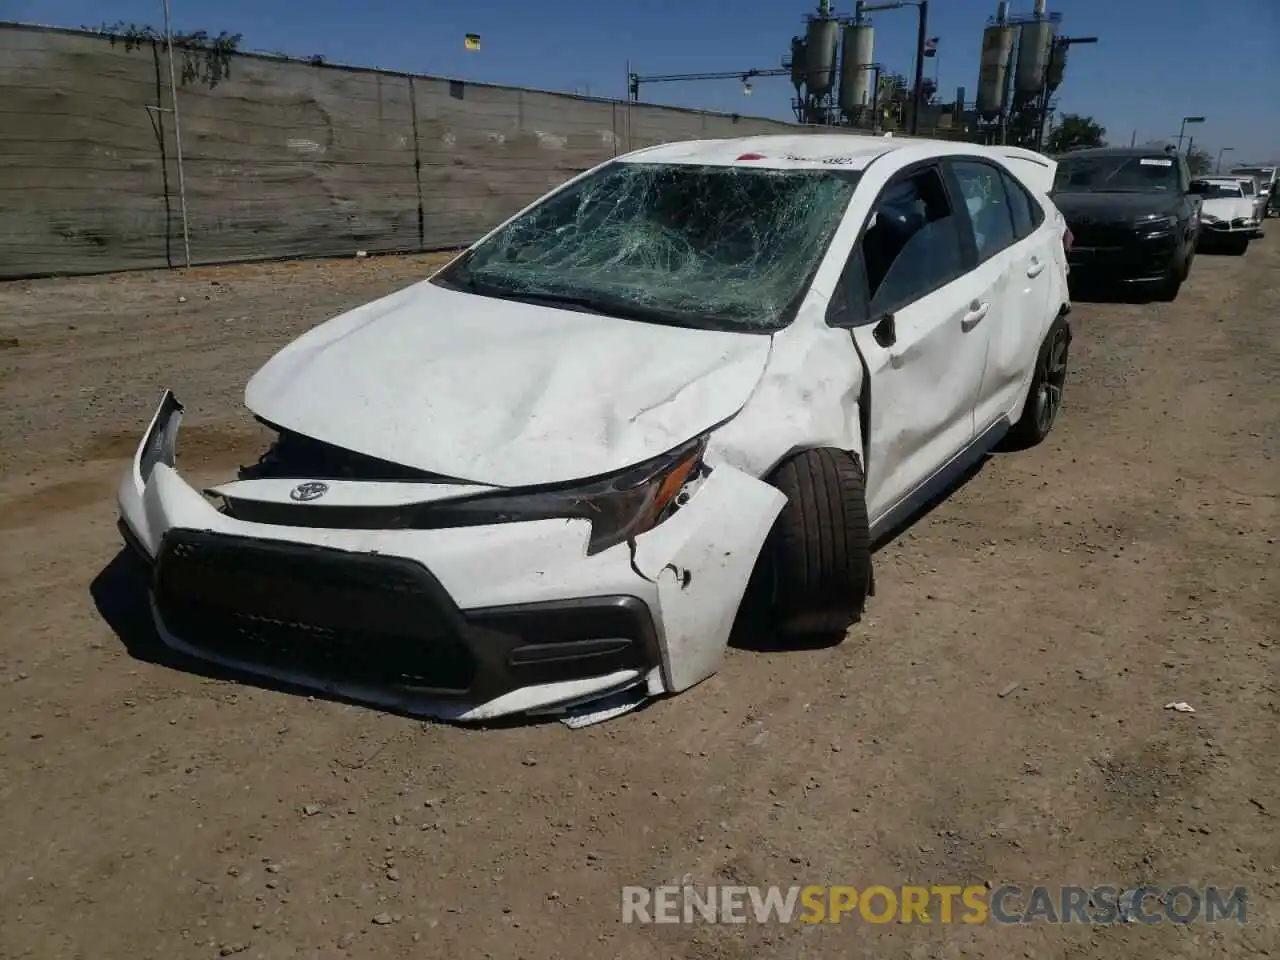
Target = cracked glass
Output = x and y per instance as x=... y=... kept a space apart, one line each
x=715 y=247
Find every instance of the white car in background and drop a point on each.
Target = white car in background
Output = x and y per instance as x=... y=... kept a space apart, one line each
x=544 y=476
x=1228 y=217
x=1267 y=178
x=1252 y=188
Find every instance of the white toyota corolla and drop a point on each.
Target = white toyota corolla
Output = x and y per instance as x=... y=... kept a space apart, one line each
x=545 y=474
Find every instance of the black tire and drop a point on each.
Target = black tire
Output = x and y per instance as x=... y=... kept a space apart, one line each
x=819 y=551
x=1240 y=247
x=1048 y=383
x=1167 y=289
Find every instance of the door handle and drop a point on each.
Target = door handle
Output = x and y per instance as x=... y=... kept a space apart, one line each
x=974 y=317
x=1035 y=269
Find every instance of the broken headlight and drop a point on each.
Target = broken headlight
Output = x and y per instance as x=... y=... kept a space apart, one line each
x=619 y=507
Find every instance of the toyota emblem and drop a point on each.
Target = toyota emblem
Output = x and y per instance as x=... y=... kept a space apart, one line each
x=306 y=492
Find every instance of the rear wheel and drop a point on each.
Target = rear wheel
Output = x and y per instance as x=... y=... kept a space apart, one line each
x=819 y=550
x=1044 y=399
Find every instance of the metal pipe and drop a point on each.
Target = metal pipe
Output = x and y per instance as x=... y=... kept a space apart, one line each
x=633 y=93
x=923 y=9
x=177 y=134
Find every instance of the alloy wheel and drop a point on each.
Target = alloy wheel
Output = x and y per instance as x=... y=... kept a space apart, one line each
x=1052 y=380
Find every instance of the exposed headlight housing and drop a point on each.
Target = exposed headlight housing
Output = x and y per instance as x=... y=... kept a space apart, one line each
x=619 y=507
x=1159 y=224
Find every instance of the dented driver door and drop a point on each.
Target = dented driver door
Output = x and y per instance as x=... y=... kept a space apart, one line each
x=922 y=331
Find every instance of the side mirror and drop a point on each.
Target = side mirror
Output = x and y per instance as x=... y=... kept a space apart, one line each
x=885 y=331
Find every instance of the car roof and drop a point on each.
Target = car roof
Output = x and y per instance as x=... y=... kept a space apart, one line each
x=809 y=150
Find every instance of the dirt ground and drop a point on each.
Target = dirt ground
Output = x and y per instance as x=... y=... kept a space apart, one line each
x=155 y=809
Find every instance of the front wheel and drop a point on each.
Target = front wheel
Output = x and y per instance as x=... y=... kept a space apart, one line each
x=1044 y=399
x=819 y=551
x=1167 y=289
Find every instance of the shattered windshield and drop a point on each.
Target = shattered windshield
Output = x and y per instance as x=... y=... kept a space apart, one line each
x=725 y=248
x=1129 y=174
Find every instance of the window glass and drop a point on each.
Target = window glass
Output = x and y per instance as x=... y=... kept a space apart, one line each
x=1123 y=173
x=984 y=195
x=1219 y=191
x=913 y=246
x=1027 y=214
x=725 y=247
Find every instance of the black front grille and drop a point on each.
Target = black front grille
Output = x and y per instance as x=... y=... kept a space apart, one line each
x=331 y=614
x=1102 y=235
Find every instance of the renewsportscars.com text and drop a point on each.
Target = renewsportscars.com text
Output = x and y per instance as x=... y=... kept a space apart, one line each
x=1005 y=904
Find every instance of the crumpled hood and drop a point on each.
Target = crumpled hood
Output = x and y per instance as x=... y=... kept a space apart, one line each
x=504 y=393
x=1227 y=208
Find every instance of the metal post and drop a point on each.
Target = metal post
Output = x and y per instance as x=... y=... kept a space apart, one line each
x=1182 y=132
x=1133 y=138
x=1190 y=146
x=629 y=98
x=873 y=108
x=1044 y=111
x=923 y=9
x=177 y=134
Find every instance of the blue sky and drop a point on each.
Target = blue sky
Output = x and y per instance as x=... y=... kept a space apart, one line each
x=1156 y=60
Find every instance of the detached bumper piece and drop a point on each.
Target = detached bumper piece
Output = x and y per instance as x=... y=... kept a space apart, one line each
x=344 y=617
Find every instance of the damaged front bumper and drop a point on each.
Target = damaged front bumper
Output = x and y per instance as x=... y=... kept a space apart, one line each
x=464 y=623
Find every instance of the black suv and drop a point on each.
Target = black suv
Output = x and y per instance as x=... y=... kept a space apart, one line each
x=1134 y=216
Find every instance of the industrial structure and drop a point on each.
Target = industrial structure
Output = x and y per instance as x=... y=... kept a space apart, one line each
x=837 y=79
x=1024 y=60
x=839 y=82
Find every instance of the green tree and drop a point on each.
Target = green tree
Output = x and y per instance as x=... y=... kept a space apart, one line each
x=1073 y=132
x=1199 y=162
x=203 y=58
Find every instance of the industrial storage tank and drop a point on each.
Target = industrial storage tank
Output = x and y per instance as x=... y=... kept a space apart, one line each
x=856 y=58
x=997 y=47
x=820 y=56
x=798 y=68
x=1033 y=57
x=1057 y=66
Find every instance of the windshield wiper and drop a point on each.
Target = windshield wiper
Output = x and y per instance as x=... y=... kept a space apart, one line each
x=577 y=301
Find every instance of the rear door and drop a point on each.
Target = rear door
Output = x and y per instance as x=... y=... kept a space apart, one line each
x=916 y=312
x=1016 y=259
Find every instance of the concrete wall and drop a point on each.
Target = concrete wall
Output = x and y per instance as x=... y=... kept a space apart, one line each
x=281 y=159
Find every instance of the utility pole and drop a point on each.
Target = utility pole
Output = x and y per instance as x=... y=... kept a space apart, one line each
x=1182 y=131
x=921 y=39
x=177 y=134
x=922 y=9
